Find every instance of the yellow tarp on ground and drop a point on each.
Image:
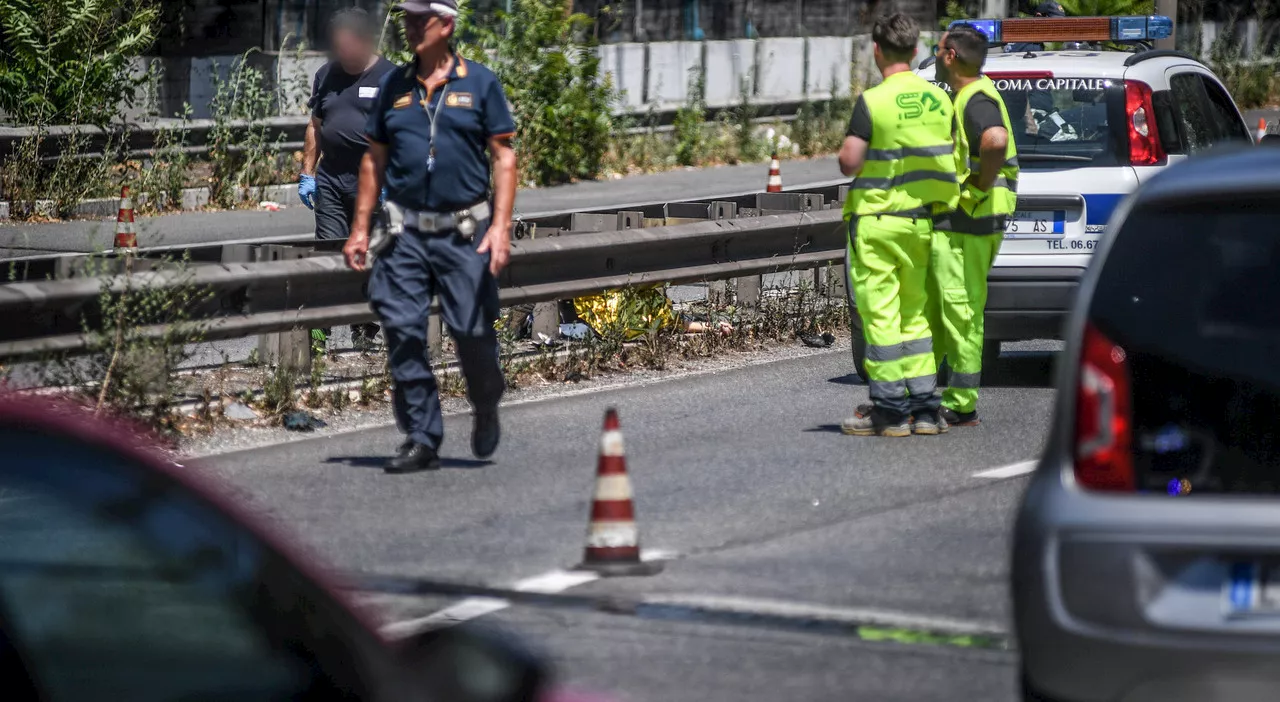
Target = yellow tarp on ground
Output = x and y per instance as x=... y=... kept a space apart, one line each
x=634 y=310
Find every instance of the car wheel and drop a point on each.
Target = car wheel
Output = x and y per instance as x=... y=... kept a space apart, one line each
x=990 y=355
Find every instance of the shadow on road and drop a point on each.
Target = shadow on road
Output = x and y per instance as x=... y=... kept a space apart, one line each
x=1016 y=369
x=380 y=461
x=1022 y=369
x=824 y=429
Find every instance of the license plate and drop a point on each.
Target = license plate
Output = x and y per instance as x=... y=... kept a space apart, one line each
x=1252 y=589
x=1031 y=225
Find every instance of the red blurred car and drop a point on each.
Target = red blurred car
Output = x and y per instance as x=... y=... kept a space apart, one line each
x=126 y=577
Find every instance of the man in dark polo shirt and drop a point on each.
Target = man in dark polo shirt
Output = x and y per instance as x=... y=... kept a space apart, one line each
x=345 y=90
x=440 y=129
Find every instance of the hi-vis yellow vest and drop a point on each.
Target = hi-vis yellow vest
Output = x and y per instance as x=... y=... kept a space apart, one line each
x=910 y=166
x=990 y=208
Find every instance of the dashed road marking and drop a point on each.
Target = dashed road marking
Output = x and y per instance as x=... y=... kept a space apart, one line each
x=1010 y=471
x=472 y=607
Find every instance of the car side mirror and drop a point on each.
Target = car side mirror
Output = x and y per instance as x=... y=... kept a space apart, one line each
x=1270 y=139
x=473 y=663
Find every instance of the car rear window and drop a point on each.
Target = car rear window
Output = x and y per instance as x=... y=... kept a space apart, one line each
x=1192 y=295
x=1064 y=121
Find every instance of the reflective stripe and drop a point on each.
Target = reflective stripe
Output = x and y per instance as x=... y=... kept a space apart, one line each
x=884 y=353
x=902 y=179
x=976 y=164
x=1003 y=182
x=966 y=380
x=905 y=151
x=888 y=389
x=922 y=386
x=917 y=213
x=917 y=346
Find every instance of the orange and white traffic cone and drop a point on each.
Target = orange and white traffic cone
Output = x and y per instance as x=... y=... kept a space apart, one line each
x=775 y=175
x=613 y=541
x=1262 y=130
x=126 y=234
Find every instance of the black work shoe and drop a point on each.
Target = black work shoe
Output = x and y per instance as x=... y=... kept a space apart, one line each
x=928 y=424
x=485 y=434
x=960 y=419
x=877 y=423
x=413 y=457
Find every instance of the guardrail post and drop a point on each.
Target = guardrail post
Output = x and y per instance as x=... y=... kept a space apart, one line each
x=546 y=320
x=435 y=337
x=291 y=349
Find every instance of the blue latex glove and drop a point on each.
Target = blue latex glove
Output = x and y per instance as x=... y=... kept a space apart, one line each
x=382 y=197
x=307 y=191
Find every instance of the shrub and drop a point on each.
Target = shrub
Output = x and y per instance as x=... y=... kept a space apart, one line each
x=68 y=61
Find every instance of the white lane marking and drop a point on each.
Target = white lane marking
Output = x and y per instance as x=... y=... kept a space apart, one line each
x=1011 y=471
x=547 y=584
x=806 y=611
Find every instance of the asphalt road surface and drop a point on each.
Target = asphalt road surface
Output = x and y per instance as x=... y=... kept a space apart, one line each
x=19 y=240
x=743 y=480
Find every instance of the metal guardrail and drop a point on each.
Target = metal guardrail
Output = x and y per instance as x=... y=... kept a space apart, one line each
x=138 y=139
x=557 y=257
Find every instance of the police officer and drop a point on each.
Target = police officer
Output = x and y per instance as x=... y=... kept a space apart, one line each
x=439 y=124
x=343 y=94
x=966 y=241
x=899 y=147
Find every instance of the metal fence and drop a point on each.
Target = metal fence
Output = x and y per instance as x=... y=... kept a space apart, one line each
x=278 y=289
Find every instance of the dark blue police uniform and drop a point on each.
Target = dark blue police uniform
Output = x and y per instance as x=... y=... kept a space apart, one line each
x=342 y=103
x=467 y=109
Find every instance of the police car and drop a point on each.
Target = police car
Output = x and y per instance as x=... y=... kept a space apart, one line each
x=1091 y=125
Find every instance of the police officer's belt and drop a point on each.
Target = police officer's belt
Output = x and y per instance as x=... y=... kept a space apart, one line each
x=432 y=222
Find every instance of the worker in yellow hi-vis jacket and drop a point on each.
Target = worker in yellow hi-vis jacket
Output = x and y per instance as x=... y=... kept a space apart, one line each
x=965 y=243
x=899 y=147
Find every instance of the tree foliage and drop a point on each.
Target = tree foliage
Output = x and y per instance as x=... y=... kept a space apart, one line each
x=561 y=101
x=67 y=61
x=1106 y=8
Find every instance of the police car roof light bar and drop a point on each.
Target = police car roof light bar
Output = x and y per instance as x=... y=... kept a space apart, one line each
x=1135 y=28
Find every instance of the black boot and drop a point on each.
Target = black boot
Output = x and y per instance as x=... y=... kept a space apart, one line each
x=413 y=457
x=485 y=434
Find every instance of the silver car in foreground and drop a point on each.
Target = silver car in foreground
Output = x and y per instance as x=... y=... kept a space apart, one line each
x=1146 y=562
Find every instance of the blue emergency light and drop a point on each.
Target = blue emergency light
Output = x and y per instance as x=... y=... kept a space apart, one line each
x=1045 y=29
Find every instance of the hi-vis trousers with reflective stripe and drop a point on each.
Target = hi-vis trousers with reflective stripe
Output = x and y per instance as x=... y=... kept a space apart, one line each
x=958 y=269
x=890 y=260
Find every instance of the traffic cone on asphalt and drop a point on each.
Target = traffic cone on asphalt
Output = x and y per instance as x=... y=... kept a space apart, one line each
x=1262 y=130
x=126 y=234
x=613 y=541
x=775 y=175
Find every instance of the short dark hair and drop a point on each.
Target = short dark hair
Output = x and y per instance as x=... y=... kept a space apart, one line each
x=969 y=44
x=356 y=21
x=897 y=36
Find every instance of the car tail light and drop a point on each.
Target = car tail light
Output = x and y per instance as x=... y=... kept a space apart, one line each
x=1144 y=140
x=1104 y=422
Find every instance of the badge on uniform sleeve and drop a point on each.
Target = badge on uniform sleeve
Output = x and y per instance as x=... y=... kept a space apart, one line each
x=458 y=100
x=403 y=101
x=369 y=92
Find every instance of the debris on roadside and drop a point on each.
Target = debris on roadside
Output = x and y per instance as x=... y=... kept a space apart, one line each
x=270 y=206
x=303 y=421
x=239 y=411
x=818 y=341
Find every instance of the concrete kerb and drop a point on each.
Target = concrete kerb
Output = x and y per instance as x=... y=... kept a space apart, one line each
x=192 y=199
